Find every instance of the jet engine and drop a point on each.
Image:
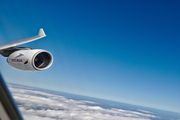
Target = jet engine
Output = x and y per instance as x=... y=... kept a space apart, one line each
x=30 y=60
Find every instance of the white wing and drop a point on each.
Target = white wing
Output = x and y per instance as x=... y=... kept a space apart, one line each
x=23 y=41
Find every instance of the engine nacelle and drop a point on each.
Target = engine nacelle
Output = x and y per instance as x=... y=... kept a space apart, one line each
x=30 y=60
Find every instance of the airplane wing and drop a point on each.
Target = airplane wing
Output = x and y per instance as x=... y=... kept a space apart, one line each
x=23 y=41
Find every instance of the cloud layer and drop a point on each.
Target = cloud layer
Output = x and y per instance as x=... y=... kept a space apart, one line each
x=38 y=105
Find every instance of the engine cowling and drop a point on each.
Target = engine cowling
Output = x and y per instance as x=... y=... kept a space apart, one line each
x=30 y=60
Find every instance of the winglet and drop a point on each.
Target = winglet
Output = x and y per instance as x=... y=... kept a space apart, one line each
x=41 y=33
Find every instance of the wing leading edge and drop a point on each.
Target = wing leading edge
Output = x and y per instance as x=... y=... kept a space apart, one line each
x=23 y=41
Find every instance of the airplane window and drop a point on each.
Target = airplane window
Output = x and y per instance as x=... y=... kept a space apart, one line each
x=90 y=60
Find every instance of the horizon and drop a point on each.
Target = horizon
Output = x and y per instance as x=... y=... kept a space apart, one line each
x=37 y=88
x=47 y=104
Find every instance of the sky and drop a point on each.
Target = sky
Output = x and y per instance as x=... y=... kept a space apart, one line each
x=125 y=51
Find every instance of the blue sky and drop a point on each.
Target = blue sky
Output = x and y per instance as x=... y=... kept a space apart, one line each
x=126 y=51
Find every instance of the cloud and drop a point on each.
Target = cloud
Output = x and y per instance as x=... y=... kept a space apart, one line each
x=38 y=105
x=144 y=111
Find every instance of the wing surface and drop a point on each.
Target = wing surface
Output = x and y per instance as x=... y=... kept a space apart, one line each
x=23 y=41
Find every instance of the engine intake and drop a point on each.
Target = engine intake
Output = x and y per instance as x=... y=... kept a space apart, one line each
x=42 y=60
